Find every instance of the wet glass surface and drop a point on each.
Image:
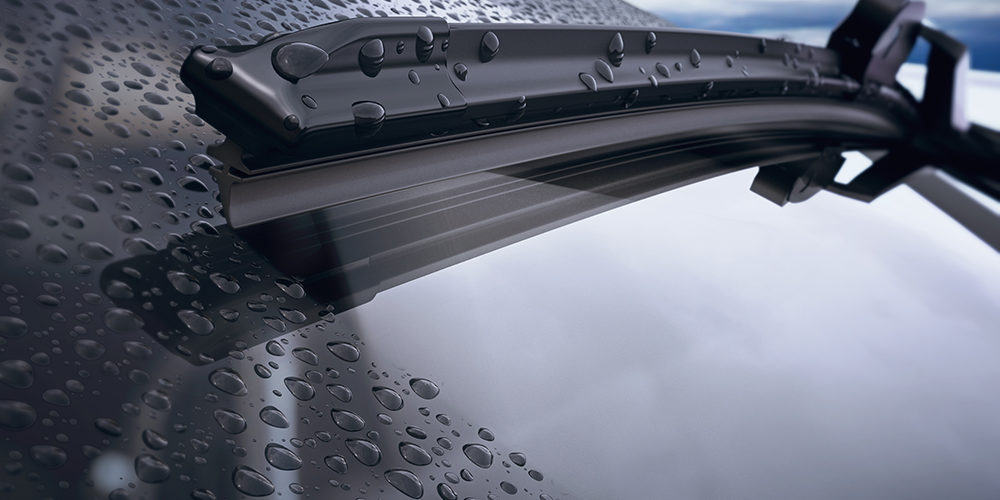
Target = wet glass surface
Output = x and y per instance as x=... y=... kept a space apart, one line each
x=678 y=346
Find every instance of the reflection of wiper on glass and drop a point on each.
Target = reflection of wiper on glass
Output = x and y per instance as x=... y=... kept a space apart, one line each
x=365 y=107
x=343 y=256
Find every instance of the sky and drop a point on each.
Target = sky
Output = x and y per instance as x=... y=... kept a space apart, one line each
x=974 y=22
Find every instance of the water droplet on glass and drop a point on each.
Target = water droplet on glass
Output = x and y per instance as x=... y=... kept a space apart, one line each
x=364 y=451
x=414 y=454
x=122 y=320
x=230 y=421
x=251 y=482
x=89 y=349
x=156 y=399
x=195 y=322
x=347 y=420
x=17 y=374
x=341 y=392
x=274 y=348
x=154 y=439
x=518 y=458
x=424 y=388
x=228 y=381
x=344 y=350
x=389 y=398
x=406 y=482
x=299 y=388
x=336 y=463
x=281 y=457
x=274 y=417
x=48 y=456
x=478 y=454
x=183 y=282
x=486 y=434
x=305 y=355
x=508 y=488
x=443 y=100
x=151 y=469
x=589 y=81
x=461 y=71
x=534 y=474
x=16 y=415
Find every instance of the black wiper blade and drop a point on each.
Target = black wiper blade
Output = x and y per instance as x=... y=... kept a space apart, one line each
x=361 y=84
x=366 y=107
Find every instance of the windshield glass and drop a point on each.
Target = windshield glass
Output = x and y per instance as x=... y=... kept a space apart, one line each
x=699 y=343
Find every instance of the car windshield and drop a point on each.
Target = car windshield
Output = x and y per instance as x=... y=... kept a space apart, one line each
x=699 y=343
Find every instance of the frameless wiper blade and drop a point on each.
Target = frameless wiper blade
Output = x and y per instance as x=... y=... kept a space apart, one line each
x=365 y=107
x=362 y=84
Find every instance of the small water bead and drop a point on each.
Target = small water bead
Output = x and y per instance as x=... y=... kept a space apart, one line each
x=336 y=463
x=230 y=421
x=16 y=415
x=344 y=350
x=306 y=355
x=290 y=288
x=224 y=282
x=489 y=46
x=48 y=456
x=154 y=440
x=299 y=388
x=17 y=373
x=508 y=488
x=12 y=327
x=366 y=452
x=281 y=457
x=478 y=454
x=406 y=482
x=389 y=398
x=274 y=417
x=444 y=443
x=183 y=282
x=486 y=434
x=416 y=432
x=616 y=50
x=156 y=399
x=251 y=482
x=228 y=381
x=424 y=388
x=122 y=320
x=534 y=474
x=341 y=392
x=89 y=349
x=195 y=322
x=151 y=469
x=274 y=348
x=347 y=420
x=517 y=458
x=414 y=454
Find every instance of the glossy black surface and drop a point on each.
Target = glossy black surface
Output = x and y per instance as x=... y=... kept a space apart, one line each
x=689 y=345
